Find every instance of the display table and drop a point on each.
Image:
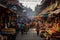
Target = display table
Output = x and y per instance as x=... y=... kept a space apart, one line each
x=51 y=34
x=51 y=31
x=8 y=31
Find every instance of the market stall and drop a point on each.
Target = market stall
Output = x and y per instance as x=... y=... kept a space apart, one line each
x=53 y=33
x=7 y=16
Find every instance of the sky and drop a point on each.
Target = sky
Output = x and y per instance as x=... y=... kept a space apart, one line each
x=30 y=3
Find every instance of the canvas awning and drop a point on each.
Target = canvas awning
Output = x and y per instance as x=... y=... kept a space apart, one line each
x=56 y=11
x=3 y=6
x=43 y=15
x=6 y=7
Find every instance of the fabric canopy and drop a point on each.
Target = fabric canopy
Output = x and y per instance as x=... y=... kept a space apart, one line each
x=56 y=11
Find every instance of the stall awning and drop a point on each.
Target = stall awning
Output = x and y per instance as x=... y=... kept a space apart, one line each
x=44 y=15
x=9 y=9
x=56 y=11
x=12 y=10
x=2 y=5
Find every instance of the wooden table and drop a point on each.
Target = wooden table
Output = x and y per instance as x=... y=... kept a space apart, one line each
x=10 y=33
x=8 y=30
x=52 y=34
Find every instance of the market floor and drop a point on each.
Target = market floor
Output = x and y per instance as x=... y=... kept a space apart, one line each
x=31 y=35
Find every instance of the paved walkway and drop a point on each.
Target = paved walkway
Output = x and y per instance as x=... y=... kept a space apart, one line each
x=31 y=35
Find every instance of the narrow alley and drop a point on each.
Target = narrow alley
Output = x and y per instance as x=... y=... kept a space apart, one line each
x=29 y=19
x=31 y=35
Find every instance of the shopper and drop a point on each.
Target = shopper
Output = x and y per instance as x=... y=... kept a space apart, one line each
x=37 y=27
x=27 y=26
x=22 y=28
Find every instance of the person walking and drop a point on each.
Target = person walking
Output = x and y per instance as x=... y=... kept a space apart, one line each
x=37 y=27
x=22 y=28
x=27 y=26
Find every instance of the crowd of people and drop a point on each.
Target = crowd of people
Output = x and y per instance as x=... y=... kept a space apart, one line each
x=24 y=27
x=38 y=25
